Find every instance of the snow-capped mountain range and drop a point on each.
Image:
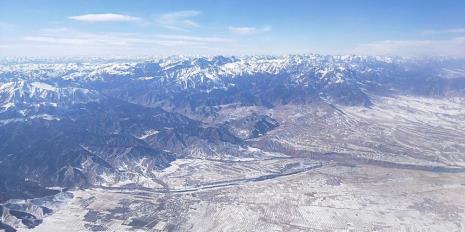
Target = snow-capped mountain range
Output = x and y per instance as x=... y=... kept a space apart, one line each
x=193 y=71
x=89 y=121
x=150 y=82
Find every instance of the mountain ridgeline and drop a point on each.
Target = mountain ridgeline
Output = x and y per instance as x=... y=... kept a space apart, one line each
x=83 y=122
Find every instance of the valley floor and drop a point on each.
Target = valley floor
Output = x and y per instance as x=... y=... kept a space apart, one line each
x=327 y=198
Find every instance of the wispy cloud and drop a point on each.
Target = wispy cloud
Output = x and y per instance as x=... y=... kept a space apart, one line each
x=179 y=21
x=65 y=36
x=69 y=42
x=444 y=31
x=249 y=30
x=444 y=47
x=196 y=38
x=79 y=40
x=107 y=17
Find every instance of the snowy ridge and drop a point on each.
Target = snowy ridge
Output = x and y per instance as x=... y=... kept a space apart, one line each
x=26 y=94
x=337 y=79
x=204 y=69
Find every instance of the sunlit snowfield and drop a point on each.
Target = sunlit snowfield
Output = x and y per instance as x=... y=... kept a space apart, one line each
x=259 y=143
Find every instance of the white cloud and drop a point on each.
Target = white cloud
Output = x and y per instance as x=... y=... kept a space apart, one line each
x=248 y=30
x=445 y=31
x=62 y=41
x=196 y=38
x=108 y=17
x=66 y=36
x=57 y=40
x=179 y=21
x=445 y=47
x=79 y=40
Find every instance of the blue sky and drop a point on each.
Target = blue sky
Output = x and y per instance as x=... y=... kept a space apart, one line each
x=231 y=27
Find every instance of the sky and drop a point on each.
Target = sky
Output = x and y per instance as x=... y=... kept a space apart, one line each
x=49 y=28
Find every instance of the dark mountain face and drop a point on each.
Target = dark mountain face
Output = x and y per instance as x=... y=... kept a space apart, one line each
x=252 y=126
x=14 y=187
x=78 y=125
x=6 y=227
x=95 y=139
x=249 y=90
